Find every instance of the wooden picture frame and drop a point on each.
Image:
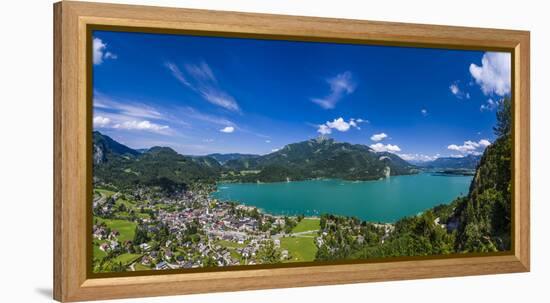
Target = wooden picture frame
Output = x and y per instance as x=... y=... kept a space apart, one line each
x=72 y=124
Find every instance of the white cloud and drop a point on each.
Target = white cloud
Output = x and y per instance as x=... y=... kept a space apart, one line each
x=340 y=86
x=109 y=55
x=219 y=98
x=192 y=113
x=470 y=147
x=129 y=116
x=209 y=140
x=98 y=48
x=418 y=157
x=379 y=147
x=267 y=141
x=129 y=108
x=200 y=71
x=489 y=106
x=494 y=74
x=100 y=53
x=378 y=137
x=466 y=147
x=355 y=122
x=454 y=89
x=176 y=72
x=338 y=124
x=459 y=93
x=100 y=121
x=424 y=112
x=139 y=110
x=324 y=130
x=141 y=125
x=227 y=129
x=201 y=79
x=275 y=150
x=484 y=142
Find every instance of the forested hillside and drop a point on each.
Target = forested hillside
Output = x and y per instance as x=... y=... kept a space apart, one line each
x=318 y=158
x=121 y=167
x=485 y=217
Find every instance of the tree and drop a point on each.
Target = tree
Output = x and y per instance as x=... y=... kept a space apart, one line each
x=323 y=221
x=504 y=118
x=268 y=253
x=140 y=236
x=209 y=262
x=118 y=267
x=289 y=224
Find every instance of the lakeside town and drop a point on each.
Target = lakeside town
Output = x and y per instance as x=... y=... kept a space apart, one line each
x=155 y=211
x=149 y=230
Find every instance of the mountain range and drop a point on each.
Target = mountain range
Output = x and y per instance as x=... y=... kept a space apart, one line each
x=466 y=162
x=223 y=158
x=121 y=166
x=319 y=158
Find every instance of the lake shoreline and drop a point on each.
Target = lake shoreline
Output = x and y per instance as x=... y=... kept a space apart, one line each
x=320 y=179
x=383 y=201
x=276 y=216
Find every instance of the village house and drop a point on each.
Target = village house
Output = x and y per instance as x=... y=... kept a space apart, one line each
x=146 y=260
x=162 y=265
x=114 y=244
x=145 y=246
x=168 y=255
x=104 y=247
x=114 y=234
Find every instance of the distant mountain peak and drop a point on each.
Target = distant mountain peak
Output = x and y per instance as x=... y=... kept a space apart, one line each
x=104 y=147
x=466 y=162
x=323 y=139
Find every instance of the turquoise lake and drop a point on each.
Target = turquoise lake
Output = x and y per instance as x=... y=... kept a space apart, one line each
x=376 y=201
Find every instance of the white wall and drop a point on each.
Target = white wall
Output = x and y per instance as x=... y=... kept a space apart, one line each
x=26 y=149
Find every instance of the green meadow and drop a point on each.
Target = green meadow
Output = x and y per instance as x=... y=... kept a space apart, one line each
x=307 y=224
x=301 y=249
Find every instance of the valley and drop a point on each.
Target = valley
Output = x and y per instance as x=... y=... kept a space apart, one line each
x=155 y=209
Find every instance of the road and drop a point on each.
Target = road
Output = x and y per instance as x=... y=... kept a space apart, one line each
x=301 y=233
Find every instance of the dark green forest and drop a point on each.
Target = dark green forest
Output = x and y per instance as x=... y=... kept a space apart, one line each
x=162 y=167
x=318 y=158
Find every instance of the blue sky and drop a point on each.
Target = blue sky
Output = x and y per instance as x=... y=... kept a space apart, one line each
x=202 y=95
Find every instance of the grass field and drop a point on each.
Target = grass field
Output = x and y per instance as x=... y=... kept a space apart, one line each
x=140 y=266
x=129 y=205
x=143 y=215
x=163 y=206
x=125 y=228
x=307 y=224
x=126 y=259
x=104 y=192
x=98 y=253
x=301 y=249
